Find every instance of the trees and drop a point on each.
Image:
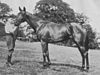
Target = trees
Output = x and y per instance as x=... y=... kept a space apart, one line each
x=4 y=9
x=54 y=10
x=81 y=18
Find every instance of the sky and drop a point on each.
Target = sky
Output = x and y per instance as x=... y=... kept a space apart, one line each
x=90 y=8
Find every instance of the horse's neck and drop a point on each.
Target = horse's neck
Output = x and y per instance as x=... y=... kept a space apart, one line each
x=32 y=23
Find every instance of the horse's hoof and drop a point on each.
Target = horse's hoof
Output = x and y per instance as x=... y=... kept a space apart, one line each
x=49 y=63
x=87 y=67
x=82 y=69
x=44 y=64
x=83 y=66
x=8 y=64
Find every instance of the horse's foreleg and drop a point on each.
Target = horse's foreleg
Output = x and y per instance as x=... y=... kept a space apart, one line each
x=87 y=62
x=43 y=44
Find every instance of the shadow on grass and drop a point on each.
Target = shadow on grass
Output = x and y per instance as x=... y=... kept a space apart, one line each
x=15 y=62
x=67 y=65
x=54 y=64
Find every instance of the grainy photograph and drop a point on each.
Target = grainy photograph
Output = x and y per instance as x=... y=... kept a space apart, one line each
x=49 y=37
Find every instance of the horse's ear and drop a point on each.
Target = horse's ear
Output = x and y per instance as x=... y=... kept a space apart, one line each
x=20 y=9
x=24 y=8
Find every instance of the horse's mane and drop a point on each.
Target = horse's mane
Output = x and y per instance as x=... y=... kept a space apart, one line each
x=33 y=16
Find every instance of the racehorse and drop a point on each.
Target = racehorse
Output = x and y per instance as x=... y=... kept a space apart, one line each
x=50 y=32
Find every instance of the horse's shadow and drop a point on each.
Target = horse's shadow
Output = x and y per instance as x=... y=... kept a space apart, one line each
x=67 y=65
x=15 y=62
x=55 y=64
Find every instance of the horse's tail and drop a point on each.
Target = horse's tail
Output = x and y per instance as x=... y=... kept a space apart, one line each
x=87 y=42
x=71 y=31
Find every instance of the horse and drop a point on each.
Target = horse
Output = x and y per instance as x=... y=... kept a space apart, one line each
x=50 y=32
x=11 y=32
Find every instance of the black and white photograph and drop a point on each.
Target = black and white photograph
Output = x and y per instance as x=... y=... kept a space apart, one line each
x=49 y=37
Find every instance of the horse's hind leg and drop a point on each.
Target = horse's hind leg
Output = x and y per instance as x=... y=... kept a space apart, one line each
x=83 y=61
x=81 y=50
x=47 y=55
x=87 y=48
x=43 y=44
x=87 y=62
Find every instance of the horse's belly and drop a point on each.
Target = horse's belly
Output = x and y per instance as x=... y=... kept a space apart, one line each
x=47 y=37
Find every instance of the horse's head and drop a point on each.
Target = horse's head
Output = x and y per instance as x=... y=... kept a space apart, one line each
x=21 y=17
x=24 y=16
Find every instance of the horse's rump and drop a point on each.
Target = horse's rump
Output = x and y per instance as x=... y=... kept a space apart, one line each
x=79 y=32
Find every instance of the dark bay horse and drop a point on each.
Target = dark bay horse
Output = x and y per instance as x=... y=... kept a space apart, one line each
x=49 y=32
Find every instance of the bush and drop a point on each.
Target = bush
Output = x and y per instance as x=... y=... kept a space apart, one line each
x=93 y=45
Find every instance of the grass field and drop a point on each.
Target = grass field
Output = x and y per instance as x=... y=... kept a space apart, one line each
x=27 y=60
